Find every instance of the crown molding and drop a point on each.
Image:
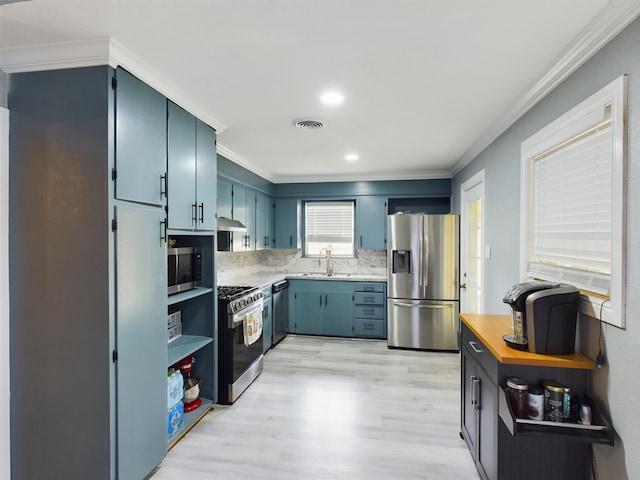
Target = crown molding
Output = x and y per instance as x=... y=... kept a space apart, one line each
x=244 y=163
x=99 y=51
x=613 y=18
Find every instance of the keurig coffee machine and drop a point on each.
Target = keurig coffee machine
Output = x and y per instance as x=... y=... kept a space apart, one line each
x=543 y=317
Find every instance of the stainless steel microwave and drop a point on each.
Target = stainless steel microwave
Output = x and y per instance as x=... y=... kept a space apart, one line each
x=184 y=269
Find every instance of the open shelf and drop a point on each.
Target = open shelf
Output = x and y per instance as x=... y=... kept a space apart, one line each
x=190 y=419
x=185 y=345
x=188 y=295
x=600 y=431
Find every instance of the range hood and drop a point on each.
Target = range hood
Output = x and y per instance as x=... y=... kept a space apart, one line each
x=227 y=225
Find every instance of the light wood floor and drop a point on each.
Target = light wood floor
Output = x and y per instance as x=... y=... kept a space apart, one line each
x=328 y=408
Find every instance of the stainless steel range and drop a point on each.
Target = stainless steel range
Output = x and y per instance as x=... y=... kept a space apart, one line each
x=240 y=340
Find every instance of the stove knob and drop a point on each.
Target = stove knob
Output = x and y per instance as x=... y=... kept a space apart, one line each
x=236 y=306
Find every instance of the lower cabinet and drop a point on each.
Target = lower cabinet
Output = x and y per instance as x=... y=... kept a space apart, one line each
x=370 y=310
x=321 y=307
x=497 y=453
x=338 y=308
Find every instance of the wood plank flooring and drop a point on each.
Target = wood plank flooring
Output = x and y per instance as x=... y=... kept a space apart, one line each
x=326 y=408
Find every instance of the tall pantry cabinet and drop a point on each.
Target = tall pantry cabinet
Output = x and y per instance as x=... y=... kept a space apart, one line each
x=87 y=227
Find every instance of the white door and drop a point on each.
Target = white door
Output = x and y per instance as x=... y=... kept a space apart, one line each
x=472 y=245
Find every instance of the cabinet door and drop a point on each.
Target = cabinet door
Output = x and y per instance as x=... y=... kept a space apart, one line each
x=141 y=340
x=372 y=223
x=309 y=312
x=206 y=175
x=239 y=209
x=286 y=223
x=267 y=324
x=141 y=141
x=487 y=436
x=262 y=240
x=182 y=168
x=225 y=195
x=270 y=221
x=251 y=241
x=338 y=312
x=469 y=383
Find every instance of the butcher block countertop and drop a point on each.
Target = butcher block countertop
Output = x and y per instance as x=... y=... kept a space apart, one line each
x=491 y=328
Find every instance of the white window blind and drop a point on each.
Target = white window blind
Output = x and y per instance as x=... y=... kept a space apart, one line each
x=329 y=225
x=571 y=218
x=573 y=202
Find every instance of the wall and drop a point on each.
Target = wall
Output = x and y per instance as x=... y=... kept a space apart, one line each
x=4 y=88
x=231 y=264
x=4 y=293
x=617 y=383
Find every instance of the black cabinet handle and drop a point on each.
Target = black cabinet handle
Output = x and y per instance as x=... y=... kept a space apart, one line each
x=291 y=240
x=163 y=185
x=202 y=212
x=194 y=213
x=163 y=230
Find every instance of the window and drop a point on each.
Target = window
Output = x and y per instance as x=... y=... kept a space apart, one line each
x=573 y=191
x=329 y=225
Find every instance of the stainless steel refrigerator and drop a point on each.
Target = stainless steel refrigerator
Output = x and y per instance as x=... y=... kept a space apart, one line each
x=423 y=296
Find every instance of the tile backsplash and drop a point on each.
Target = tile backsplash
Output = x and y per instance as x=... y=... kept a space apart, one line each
x=233 y=264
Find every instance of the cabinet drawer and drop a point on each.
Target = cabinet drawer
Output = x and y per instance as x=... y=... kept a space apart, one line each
x=369 y=287
x=480 y=352
x=363 y=311
x=369 y=328
x=369 y=298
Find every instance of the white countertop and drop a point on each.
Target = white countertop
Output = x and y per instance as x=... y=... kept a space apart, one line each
x=263 y=279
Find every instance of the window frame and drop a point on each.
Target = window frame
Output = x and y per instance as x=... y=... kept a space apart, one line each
x=304 y=227
x=609 y=309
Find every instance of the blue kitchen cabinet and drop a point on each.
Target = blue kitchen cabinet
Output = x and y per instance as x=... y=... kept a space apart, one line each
x=264 y=222
x=206 y=175
x=100 y=312
x=322 y=307
x=240 y=211
x=370 y=310
x=267 y=318
x=192 y=171
x=140 y=170
x=141 y=369
x=371 y=221
x=338 y=309
x=286 y=223
x=225 y=198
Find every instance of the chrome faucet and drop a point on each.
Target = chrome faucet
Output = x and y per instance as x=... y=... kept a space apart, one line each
x=327 y=254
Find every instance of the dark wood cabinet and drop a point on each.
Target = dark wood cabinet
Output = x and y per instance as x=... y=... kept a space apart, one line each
x=499 y=450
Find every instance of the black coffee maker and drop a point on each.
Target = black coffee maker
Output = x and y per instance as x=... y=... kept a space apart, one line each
x=543 y=317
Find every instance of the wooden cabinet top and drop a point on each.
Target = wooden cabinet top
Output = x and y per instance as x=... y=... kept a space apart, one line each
x=491 y=328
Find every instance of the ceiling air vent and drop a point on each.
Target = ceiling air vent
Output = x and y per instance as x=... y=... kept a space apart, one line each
x=309 y=123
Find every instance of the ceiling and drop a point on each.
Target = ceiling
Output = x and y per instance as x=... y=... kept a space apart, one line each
x=426 y=84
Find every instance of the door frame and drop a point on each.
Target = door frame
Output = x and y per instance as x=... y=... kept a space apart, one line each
x=477 y=180
x=5 y=408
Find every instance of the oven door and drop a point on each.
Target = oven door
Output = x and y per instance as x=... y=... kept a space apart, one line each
x=247 y=341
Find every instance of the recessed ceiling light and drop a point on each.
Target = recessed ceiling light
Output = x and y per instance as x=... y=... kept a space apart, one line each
x=332 y=97
x=351 y=157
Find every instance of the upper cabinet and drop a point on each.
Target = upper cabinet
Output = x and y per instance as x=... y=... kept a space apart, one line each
x=286 y=221
x=371 y=221
x=192 y=171
x=140 y=141
x=265 y=237
x=225 y=199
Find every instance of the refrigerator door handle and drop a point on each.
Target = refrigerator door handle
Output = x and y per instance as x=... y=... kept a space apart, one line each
x=414 y=305
x=425 y=251
x=421 y=253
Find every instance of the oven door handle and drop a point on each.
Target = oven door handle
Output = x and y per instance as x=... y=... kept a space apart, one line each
x=239 y=317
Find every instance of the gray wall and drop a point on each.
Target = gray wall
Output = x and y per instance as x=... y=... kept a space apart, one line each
x=4 y=88
x=617 y=383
